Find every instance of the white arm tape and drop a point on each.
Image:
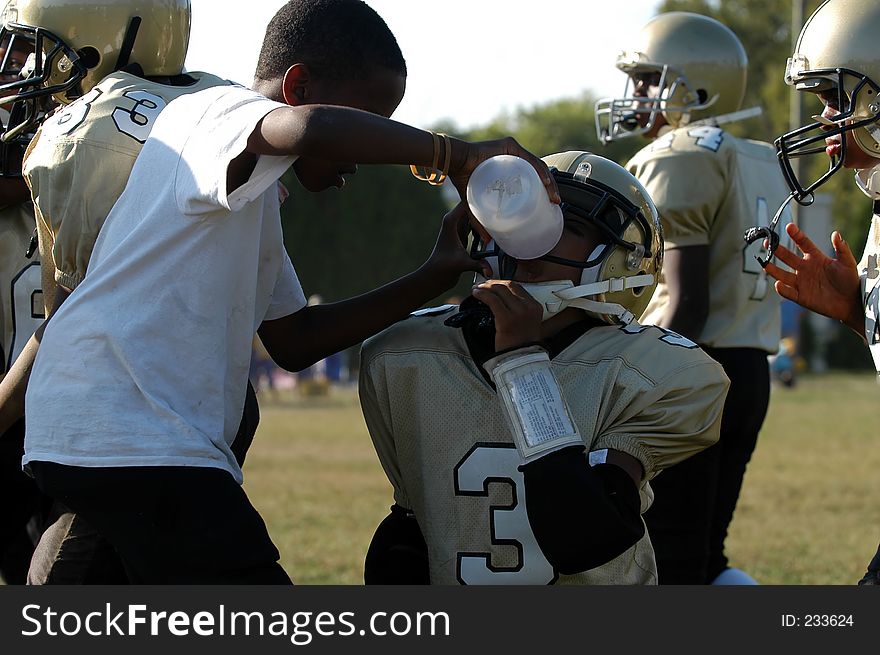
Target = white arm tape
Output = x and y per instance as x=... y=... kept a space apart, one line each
x=533 y=403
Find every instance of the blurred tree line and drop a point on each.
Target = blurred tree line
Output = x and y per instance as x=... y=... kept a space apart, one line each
x=385 y=223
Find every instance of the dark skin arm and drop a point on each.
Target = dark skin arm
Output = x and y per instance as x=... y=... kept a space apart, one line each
x=334 y=133
x=686 y=271
x=300 y=339
x=14 y=384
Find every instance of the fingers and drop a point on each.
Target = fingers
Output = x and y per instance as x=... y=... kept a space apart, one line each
x=787 y=292
x=507 y=296
x=786 y=277
x=786 y=256
x=842 y=250
x=459 y=220
x=801 y=240
x=542 y=169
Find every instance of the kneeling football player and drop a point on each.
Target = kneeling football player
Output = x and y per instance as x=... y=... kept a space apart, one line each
x=520 y=429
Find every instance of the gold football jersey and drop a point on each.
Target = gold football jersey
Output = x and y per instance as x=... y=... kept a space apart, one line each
x=709 y=187
x=79 y=163
x=21 y=298
x=440 y=433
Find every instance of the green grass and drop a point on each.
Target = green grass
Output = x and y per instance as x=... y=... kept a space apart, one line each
x=809 y=512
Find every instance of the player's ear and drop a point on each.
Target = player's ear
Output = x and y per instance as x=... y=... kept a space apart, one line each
x=295 y=85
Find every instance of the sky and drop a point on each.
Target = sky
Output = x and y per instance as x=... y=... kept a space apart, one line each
x=468 y=60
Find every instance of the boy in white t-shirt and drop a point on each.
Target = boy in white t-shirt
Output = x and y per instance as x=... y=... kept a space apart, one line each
x=190 y=263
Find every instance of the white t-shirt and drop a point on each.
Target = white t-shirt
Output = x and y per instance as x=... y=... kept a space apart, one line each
x=146 y=363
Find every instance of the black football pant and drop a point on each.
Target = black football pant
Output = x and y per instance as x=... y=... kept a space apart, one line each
x=71 y=551
x=170 y=524
x=21 y=508
x=694 y=500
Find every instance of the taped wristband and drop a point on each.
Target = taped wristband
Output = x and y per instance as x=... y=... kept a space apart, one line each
x=533 y=404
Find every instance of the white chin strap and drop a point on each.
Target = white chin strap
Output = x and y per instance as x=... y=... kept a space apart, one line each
x=558 y=295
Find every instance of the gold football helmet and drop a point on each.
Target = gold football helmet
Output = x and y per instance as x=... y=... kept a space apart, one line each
x=80 y=42
x=838 y=55
x=699 y=65
x=619 y=277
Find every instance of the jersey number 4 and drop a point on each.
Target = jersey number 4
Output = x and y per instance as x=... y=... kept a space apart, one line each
x=508 y=524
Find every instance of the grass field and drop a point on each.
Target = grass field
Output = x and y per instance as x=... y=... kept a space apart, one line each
x=808 y=514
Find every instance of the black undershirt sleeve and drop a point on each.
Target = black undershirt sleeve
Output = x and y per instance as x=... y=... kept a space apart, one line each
x=582 y=516
x=398 y=553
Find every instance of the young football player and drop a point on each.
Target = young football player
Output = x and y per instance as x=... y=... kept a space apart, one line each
x=112 y=67
x=520 y=432
x=21 y=311
x=154 y=345
x=837 y=57
x=687 y=74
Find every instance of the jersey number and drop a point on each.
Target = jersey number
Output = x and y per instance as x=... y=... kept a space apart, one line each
x=134 y=119
x=508 y=524
x=707 y=136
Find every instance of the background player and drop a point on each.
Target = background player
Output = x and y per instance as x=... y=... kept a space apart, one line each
x=837 y=57
x=126 y=65
x=688 y=74
x=474 y=502
x=21 y=312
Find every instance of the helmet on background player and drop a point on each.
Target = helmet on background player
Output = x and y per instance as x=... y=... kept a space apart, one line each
x=619 y=277
x=699 y=65
x=14 y=53
x=83 y=41
x=838 y=55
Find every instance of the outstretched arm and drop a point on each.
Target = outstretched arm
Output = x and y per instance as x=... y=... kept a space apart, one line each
x=823 y=284
x=300 y=339
x=335 y=133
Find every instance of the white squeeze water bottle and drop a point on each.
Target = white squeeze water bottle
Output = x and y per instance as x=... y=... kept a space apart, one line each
x=507 y=197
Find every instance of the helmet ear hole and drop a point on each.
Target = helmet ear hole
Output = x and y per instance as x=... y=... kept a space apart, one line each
x=702 y=96
x=90 y=56
x=638 y=291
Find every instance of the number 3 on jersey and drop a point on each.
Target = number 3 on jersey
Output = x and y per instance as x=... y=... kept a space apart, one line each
x=508 y=524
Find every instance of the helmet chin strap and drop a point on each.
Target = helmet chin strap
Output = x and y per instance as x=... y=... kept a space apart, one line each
x=558 y=295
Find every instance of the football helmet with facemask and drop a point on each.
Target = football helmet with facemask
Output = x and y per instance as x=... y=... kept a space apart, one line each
x=698 y=65
x=79 y=42
x=837 y=55
x=15 y=51
x=620 y=275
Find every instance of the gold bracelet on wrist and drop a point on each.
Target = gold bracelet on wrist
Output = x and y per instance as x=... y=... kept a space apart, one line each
x=437 y=176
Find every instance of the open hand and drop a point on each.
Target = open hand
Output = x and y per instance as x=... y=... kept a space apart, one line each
x=823 y=284
x=517 y=315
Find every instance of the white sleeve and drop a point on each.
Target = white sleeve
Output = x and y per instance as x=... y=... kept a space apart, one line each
x=219 y=136
x=287 y=296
